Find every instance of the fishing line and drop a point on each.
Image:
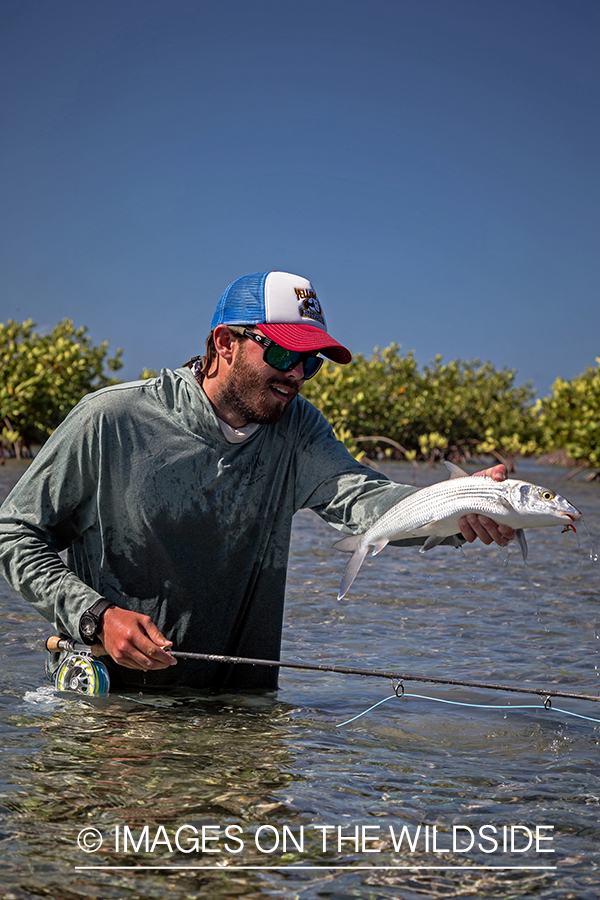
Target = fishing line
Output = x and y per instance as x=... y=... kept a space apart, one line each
x=69 y=676
x=593 y=554
x=566 y=712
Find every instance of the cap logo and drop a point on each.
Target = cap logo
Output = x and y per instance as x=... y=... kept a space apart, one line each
x=310 y=308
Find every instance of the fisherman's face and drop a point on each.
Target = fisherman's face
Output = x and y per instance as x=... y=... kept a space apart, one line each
x=255 y=390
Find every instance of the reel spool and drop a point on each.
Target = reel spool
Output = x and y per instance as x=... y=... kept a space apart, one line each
x=83 y=674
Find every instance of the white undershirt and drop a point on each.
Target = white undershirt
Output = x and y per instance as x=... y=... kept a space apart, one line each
x=237 y=435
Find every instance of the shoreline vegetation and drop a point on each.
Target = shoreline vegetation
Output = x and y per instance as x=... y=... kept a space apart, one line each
x=382 y=407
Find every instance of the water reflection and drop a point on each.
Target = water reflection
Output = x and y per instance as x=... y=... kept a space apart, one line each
x=252 y=761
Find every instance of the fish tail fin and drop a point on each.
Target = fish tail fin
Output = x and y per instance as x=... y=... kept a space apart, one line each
x=351 y=570
x=348 y=544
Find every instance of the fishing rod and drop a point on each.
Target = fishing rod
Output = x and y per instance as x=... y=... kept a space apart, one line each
x=85 y=652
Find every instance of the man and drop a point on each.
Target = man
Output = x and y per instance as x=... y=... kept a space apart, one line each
x=174 y=497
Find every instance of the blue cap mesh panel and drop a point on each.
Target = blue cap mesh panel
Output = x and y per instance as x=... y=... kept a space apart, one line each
x=243 y=302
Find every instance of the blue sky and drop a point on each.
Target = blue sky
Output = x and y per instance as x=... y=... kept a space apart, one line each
x=432 y=167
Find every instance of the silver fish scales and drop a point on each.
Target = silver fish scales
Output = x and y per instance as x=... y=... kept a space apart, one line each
x=434 y=512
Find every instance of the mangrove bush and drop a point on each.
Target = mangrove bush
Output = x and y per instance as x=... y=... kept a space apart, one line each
x=570 y=417
x=446 y=410
x=44 y=376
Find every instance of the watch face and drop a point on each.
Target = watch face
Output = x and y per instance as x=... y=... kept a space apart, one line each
x=88 y=624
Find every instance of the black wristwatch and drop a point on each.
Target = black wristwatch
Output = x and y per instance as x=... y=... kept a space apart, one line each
x=91 y=620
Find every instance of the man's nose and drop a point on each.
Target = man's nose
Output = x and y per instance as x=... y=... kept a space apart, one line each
x=297 y=371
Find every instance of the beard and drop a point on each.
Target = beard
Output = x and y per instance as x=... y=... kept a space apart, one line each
x=248 y=393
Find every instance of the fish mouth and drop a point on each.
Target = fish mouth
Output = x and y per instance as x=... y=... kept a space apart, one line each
x=574 y=516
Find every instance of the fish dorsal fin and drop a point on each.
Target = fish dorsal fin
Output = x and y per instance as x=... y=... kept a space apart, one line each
x=455 y=471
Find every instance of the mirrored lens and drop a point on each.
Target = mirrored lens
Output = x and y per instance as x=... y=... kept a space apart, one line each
x=285 y=360
x=280 y=358
x=312 y=364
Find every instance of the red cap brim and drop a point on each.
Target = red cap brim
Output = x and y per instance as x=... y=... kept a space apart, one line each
x=305 y=338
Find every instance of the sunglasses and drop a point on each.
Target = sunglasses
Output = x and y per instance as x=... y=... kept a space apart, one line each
x=281 y=359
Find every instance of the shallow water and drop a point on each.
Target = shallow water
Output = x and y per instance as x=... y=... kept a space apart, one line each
x=277 y=768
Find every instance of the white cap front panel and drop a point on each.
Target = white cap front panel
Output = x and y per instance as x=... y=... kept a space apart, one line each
x=291 y=299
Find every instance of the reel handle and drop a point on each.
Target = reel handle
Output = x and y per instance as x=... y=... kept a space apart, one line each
x=54 y=644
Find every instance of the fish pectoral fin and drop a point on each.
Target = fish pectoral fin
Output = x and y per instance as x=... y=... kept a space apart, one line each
x=348 y=544
x=455 y=471
x=378 y=546
x=432 y=541
x=424 y=525
x=505 y=503
x=522 y=542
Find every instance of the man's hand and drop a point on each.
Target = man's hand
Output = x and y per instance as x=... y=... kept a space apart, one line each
x=488 y=531
x=133 y=640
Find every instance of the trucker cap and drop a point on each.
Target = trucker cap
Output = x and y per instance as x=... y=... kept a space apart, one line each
x=286 y=309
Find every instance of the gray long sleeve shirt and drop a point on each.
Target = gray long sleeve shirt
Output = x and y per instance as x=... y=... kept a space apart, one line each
x=162 y=515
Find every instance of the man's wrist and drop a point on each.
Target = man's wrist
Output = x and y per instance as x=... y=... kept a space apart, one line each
x=90 y=623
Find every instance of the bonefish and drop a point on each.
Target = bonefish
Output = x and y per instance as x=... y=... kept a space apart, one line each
x=433 y=513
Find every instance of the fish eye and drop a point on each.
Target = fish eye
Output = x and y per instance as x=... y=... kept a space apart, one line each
x=547 y=495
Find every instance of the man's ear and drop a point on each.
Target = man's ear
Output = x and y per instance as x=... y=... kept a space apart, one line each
x=224 y=342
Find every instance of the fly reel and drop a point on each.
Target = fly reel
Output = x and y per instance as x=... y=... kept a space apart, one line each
x=81 y=673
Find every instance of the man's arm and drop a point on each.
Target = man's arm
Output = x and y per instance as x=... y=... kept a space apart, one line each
x=34 y=568
x=351 y=496
x=50 y=507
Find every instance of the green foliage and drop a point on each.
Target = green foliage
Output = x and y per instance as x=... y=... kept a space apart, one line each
x=347 y=439
x=44 y=376
x=145 y=374
x=365 y=396
x=477 y=408
x=452 y=410
x=570 y=416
